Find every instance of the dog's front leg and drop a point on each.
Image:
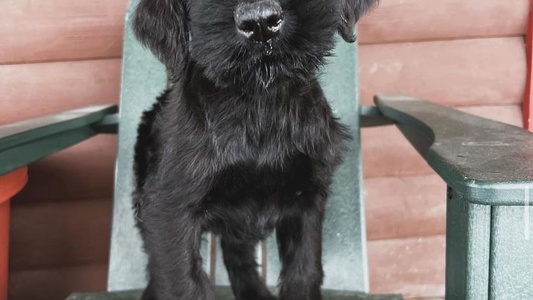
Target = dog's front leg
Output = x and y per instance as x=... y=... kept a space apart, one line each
x=299 y=234
x=239 y=258
x=172 y=240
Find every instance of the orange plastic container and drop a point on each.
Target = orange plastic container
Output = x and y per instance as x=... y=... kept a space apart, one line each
x=10 y=185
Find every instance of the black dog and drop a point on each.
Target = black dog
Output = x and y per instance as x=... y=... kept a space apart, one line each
x=242 y=143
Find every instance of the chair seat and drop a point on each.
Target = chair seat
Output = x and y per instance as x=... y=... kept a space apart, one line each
x=224 y=293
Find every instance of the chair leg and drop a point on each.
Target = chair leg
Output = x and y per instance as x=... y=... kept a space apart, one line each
x=467 y=249
x=511 y=260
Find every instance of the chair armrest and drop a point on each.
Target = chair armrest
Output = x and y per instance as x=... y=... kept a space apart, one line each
x=487 y=162
x=371 y=116
x=27 y=141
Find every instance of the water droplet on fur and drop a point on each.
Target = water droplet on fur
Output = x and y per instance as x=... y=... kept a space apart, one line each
x=268 y=49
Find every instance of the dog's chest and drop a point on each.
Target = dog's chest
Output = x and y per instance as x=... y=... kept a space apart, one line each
x=264 y=134
x=262 y=158
x=246 y=201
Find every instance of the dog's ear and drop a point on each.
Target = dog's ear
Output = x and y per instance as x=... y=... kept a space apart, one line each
x=161 y=25
x=351 y=12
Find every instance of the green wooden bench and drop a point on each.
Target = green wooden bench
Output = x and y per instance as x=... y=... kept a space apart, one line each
x=487 y=165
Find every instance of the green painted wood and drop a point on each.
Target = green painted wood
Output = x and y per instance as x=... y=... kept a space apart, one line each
x=511 y=260
x=221 y=275
x=371 y=116
x=225 y=294
x=344 y=237
x=109 y=124
x=143 y=79
x=484 y=160
x=467 y=249
x=27 y=141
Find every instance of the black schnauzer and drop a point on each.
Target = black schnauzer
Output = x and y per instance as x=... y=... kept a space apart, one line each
x=243 y=142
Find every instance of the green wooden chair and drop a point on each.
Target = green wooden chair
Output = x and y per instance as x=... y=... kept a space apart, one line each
x=489 y=250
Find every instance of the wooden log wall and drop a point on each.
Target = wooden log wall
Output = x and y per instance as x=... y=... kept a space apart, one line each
x=62 y=54
x=57 y=55
x=464 y=53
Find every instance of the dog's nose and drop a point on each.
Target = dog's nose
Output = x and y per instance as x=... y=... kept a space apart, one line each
x=259 y=21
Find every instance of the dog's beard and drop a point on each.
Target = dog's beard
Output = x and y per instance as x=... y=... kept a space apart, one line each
x=253 y=76
x=267 y=70
x=266 y=75
x=253 y=69
x=273 y=69
x=262 y=69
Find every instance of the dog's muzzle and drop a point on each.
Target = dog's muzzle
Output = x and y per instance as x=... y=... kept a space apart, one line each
x=259 y=21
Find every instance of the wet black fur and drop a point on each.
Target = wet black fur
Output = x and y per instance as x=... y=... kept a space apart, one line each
x=242 y=143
